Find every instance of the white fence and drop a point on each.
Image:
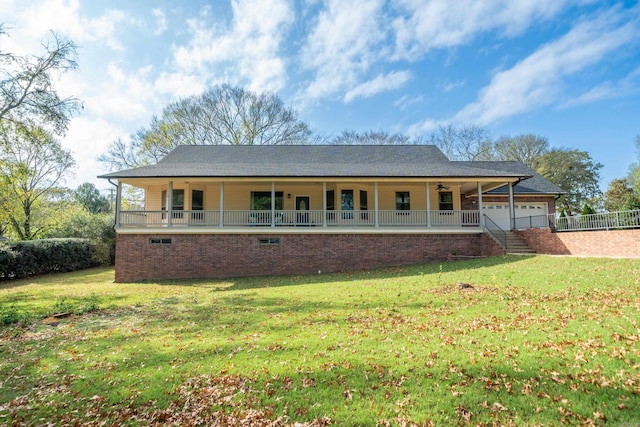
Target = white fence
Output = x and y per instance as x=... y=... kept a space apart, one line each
x=599 y=221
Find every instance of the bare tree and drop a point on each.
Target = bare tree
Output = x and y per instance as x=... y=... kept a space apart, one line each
x=222 y=115
x=525 y=148
x=381 y=137
x=27 y=95
x=468 y=142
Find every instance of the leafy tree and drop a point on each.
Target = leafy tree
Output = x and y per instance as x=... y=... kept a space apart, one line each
x=73 y=220
x=27 y=95
x=634 y=170
x=575 y=172
x=525 y=148
x=89 y=197
x=469 y=142
x=620 y=196
x=221 y=115
x=32 y=164
x=587 y=210
x=381 y=137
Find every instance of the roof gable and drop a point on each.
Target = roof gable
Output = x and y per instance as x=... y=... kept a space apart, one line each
x=534 y=184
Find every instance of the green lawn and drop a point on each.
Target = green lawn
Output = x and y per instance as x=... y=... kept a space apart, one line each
x=536 y=341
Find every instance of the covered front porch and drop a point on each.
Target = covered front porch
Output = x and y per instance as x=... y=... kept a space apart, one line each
x=255 y=206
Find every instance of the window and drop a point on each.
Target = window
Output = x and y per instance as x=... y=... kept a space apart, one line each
x=331 y=200
x=178 y=202
x=346 y=203
x=197 y=204
x=346 y=200
x=445 y=200
x=261 y=200
x=197 y=200
x=363 y=201
x=160 y=241
x=402 y=201
x=269 y=241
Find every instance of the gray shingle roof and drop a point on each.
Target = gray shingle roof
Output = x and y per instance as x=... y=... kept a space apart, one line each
x=417 y=161
x=535 y=184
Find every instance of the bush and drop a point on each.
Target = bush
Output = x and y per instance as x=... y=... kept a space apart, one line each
x=98 y=228
x=10 y=315
x=32 y=257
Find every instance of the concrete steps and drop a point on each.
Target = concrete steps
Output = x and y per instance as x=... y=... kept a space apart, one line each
x=515 y=245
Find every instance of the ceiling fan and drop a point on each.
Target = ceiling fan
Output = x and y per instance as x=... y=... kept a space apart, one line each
x=441 y=187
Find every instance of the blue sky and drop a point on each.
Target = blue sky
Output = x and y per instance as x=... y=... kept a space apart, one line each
x=566 y=70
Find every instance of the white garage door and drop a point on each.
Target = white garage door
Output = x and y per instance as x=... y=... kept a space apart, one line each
x=499 y=212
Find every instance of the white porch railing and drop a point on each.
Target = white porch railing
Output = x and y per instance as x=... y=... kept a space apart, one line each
x=599 y=221
x=293 y=218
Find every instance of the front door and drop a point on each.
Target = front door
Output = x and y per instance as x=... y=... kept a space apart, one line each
x=302 y=205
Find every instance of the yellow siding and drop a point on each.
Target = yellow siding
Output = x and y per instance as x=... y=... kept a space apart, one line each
x=237 y=195
x=153 y=197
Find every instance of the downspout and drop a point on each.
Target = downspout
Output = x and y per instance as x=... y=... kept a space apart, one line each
x=116 y=219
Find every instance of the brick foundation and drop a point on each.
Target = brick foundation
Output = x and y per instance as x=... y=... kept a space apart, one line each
x=613 y=243
x=233 y=255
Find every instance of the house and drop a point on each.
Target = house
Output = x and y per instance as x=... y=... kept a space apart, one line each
x=225 y=211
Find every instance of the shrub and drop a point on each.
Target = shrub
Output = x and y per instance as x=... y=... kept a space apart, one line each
x=32 y=257
x=11 y=314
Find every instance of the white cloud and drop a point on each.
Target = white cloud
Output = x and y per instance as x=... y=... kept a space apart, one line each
x=627 y=86
x=538 y=80
x=343 y=45
x=178 y=85
x=161 y=21
x=123 y=96
x=381 y=83
x=428 y=125
x=444 y=24
x=406 y=101
x=248 y=51
x=64 y=16
x=453 y=85
x=87 y=139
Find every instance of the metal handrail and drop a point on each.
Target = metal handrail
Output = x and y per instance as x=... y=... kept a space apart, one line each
x=498 y=233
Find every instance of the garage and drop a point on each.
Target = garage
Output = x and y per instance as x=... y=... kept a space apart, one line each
x=499 y=212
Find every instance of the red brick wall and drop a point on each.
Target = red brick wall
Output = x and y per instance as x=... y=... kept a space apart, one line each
x=232 y=255
x=614 y=243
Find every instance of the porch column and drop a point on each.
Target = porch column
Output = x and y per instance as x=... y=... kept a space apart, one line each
x=221 y=224
x=512 y=208
x=170 y=204
x=118 y=203
x=428 y=194
x=324 y=204
x=273 y=203
x=375 y=204
x=480 y=215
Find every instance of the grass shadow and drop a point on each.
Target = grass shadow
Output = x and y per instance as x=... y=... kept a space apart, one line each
x=259 y=282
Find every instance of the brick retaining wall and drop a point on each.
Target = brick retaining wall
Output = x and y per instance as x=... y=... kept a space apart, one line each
x=233 y=255
x=604 y=243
